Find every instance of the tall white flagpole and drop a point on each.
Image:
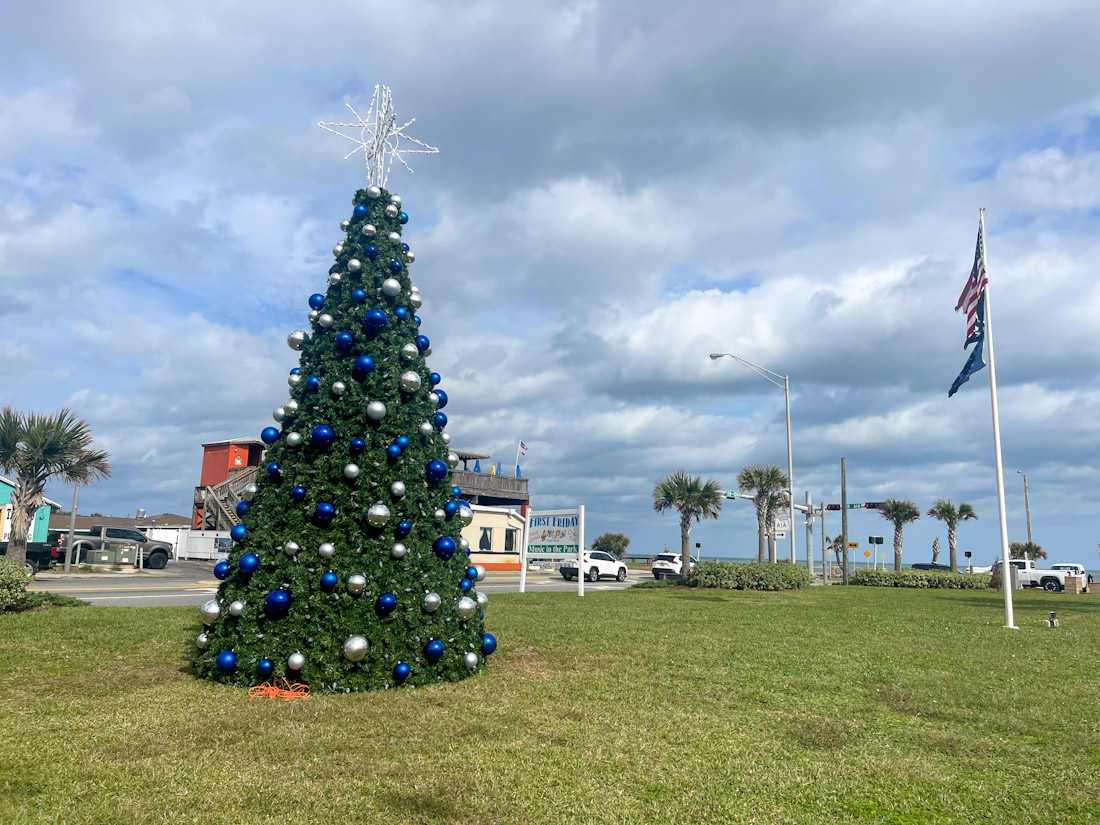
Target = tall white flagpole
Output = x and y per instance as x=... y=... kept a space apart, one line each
x=1006 y=572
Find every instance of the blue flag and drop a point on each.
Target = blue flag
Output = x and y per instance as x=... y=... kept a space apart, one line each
x=517 y=472
x=976 y=361
x=477 y=465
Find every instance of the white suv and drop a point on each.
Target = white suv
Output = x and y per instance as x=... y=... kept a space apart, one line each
x=594 y=565
x=667 y=565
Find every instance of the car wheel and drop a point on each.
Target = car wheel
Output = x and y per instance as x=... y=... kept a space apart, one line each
x=622 y=575
x=1051 y=585
x=156 y=561
x=31 y=568
x=593 y=574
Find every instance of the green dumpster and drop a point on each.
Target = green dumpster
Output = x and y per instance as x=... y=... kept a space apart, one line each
x=101 y=557
x=126 y=555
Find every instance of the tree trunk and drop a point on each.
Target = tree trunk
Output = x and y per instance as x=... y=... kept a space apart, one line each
x=897 y=548
x=936 y=550
x=952 y=546
x=25 y=501
x=685 y=548
x=771 y=549
x=761 y=531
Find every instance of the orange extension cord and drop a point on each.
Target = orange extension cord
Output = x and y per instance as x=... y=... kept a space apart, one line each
x=270 y=690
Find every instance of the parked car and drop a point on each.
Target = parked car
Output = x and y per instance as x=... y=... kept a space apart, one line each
x=40 y=555
x=931 y=566
x=594 y=565
x=1074 y=569
x=1029 y=575
x=667 y=566
x=154 y=554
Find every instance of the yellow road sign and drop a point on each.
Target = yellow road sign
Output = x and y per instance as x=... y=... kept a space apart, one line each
x=853 y=544
x=867 y=553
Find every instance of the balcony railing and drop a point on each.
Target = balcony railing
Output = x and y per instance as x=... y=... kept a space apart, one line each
x=486 y=484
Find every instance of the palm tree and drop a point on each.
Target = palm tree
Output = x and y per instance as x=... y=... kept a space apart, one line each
x=935 y=549
x=37 y=447
x=764 y=479
x=951 y=515
x=777 y=504
x=1020 y=549
x=693 y=500
x=899 y=512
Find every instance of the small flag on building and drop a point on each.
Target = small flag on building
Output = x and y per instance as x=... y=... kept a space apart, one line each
x=522 y=448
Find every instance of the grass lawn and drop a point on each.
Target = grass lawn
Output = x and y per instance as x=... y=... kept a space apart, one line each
x=828 y=705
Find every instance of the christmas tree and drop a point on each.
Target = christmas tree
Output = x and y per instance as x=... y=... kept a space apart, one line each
x=348 y=570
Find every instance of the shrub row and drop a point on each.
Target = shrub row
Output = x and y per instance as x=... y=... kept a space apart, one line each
x=756 y=576
x=13 y=586
x=921 y=578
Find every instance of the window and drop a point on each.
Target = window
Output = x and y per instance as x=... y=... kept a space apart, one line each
x=486 y=542
x=510 y=540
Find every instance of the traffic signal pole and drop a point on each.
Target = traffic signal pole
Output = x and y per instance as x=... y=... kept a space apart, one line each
x=844 y=518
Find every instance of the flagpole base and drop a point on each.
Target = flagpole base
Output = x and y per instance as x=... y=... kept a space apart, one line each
x=1010 y=627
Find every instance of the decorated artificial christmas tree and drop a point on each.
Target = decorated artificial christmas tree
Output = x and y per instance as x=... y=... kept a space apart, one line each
x=348 y=570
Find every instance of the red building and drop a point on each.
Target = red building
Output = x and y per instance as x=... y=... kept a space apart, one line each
x=226 y=467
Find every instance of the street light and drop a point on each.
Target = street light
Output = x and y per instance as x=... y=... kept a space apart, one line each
x=1027 y=506
x=773 y=377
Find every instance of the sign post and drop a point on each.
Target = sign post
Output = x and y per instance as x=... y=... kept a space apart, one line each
x=555 y=535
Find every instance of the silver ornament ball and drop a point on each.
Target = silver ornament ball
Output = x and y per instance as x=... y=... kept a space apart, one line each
x=397 y=489
x=354 y=265
x=410 y=257
x=368 y=230
x=296 y=661
x=355 y=648
x=481 y=599
x=433 y=399
x=409 y=381
x=414 y=288
x=391 y=287
x=376 y=410
x=439 y=515
x=446 y=437
x=335 y=278
x=431 y=602
x=374 y=192
x=291 y=548
x=463 y=544
x=249 y=491
x=291 y=406
x=480 y=573
x=425 y=429
x=452 y=460
x=201 y=641
x=351 y=471
x=416 y=300
x=294 y=380
x=467 y=607
x=391 y=211
x=378 y=515
x=313 y=315
x=294 y=439
x=210 y=611
x=236 y=608
x=339 y=387
x=325 y=320
x=471 y=660
x=296 y=339
x=395 y=200
x=395 y=237
x=344 y=225
x=327 y=550
x=465 y=515
x=336 y=250
x=409 y=352
x=357 y=584
x=278 y=413
x=398 y=551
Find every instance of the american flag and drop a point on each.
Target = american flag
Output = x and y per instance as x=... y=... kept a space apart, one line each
x=522 y=448
x=975 y=286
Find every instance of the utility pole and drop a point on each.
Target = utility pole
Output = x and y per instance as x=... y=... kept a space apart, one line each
x=844 y=517
x=824 y=549
x=809 y=535
x=1027 y=506
x=72 y=527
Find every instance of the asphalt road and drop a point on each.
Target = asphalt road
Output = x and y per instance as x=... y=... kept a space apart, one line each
x=193 y=582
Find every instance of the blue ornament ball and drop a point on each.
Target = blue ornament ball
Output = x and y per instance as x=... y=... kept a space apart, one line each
x=249 y=563
x=401 y=671
x=364 y=364
x=226 y=661
x=296 y=371
x=451 y=507
x=241 y=508
x=396 y=266
x=471 y=573
x=442 y=398
x=488 y=643
x=277 y=602
x=403 y=218
x=435 y=378
x=269 y=435
x=360 y=211
x=465 y=585
x=333 y=268
x=440 y=420
x=456 y=492
x=393 y=452
x=329 y=581
x=422 y=342
x=436 y=469
x=313 y=383
x=444 y=547
x=358 y=445
x=402 y=441
x=324 y=511
x=416 y=320
x=434 y=650
x=238 y=531
x=401 y=313
x=405 y=246
x=344 y=340
x=264 y=668
x=297 y=492
x=404 y=527
x=371 y=251
x=316 y=300
x=273 y=469
x=386 y=603
x=321 y=435
x=376 y=319
x=221 y=570
x=359 y=296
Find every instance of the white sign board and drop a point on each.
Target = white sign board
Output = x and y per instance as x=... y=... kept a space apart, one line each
x=554 y=534
x=782 y=525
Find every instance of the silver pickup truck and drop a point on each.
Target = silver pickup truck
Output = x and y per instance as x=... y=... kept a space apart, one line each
x=153 y=554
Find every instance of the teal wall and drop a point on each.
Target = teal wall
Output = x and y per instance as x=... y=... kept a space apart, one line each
x=41 y=517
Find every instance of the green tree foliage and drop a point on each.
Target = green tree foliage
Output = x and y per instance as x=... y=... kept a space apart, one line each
x=693 y=500
x=898 y=512
x=1026 y=549
x=36 y=448
x=392 y=537
x=951 y=515
x=613 y=543
x=763 y=480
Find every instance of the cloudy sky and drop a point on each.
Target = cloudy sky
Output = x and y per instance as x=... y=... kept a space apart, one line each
x=622 y=188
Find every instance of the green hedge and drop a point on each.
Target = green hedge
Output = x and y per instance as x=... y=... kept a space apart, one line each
x=921 y=578
x=13 y=586
x=755 y=576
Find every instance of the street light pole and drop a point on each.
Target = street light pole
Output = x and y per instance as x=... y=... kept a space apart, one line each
x=774 y=377
x=1027 y=506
